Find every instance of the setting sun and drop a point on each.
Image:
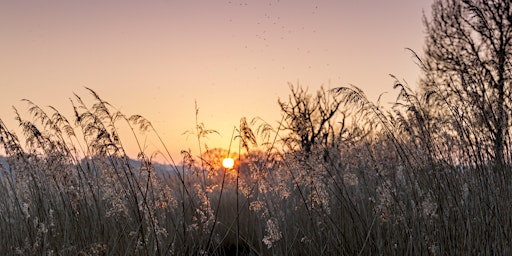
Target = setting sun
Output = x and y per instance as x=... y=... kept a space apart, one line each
x=256 y=127
x=228 y=163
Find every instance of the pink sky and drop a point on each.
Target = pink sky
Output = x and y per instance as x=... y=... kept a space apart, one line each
x=155 y=58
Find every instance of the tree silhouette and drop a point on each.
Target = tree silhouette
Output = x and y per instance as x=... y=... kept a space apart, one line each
x=467 y=67
x=310 y=118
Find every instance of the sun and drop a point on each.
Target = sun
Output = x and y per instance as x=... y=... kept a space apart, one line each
x=228 y=162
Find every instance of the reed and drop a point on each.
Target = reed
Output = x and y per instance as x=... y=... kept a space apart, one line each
x=373 y=181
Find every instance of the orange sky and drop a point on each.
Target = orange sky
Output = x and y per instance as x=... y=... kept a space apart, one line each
x=235 y=58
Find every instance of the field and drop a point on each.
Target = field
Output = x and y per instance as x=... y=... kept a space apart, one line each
x=429 y=173
x=338 y=176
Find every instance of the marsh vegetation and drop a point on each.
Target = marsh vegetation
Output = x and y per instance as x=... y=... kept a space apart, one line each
x=338 y=175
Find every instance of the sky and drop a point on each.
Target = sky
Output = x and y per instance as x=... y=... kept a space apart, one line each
x=233 y=58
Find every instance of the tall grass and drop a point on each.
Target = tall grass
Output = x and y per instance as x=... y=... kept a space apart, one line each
x=378 y=181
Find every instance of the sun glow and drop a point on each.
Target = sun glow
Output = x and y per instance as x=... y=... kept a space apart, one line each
x=228 y=162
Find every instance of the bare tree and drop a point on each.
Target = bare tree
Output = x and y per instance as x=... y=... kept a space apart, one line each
x=467 y=66
x=310 y=118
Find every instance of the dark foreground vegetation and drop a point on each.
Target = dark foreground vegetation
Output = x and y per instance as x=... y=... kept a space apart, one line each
x=339 y=175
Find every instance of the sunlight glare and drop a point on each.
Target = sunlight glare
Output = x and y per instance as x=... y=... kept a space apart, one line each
x=228 y=162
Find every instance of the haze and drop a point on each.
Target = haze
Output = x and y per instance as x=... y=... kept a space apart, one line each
x=235 y=58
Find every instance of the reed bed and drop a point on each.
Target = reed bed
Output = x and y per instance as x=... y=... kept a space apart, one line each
x=375 y=181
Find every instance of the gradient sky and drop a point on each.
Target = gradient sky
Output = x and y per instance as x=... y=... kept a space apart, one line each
x=235 y=58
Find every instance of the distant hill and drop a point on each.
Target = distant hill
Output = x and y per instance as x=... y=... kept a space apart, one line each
x=160 y=169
